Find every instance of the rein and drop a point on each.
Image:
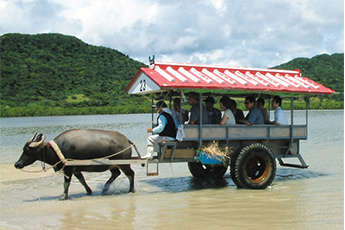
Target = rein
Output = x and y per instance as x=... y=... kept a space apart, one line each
x=43 y=163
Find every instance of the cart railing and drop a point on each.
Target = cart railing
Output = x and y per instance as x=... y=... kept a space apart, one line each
x=244 y=132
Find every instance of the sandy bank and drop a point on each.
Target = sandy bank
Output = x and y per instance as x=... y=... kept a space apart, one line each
x=8 y=172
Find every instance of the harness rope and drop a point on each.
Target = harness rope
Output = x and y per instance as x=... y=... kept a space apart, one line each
x=106 y=157
x=58 y=151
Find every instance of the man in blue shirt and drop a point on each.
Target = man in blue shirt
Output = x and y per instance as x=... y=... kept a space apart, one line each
x=279 y=114
x=164 y=131
x=254 y=116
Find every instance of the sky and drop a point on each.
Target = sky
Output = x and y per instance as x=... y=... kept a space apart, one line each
x=250 y=33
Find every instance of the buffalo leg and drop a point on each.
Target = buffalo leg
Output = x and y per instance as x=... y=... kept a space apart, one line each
x=130 y=174
x=115 y=172
x=66 y=184
x=81 y=179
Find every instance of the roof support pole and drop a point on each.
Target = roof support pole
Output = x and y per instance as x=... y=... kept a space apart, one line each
x=269 y=107
x=307 y=114
x=170 y=98
x=291 y=127
x=152 y=112
x=292 y=101
x=200 y=120
x=181 y=117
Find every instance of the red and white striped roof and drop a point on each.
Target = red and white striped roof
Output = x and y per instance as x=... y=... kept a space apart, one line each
x=163 y=76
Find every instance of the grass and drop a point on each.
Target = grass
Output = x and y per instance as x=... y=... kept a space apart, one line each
x=77 y=98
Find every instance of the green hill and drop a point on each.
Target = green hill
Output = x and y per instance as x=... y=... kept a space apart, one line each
x=62 y=71
x=55 y=74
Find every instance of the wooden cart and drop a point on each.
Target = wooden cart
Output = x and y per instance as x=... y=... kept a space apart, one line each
x=255 y=148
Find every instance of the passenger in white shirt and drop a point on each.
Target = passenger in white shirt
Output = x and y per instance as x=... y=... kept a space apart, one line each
x=228 y=118
x=279 y=114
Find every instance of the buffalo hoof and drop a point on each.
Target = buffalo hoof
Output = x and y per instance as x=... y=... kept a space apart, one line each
x=88 y=191
x=132 y=190
x=64 y=197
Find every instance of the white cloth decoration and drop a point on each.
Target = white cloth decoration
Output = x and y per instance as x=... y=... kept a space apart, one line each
x=180 y=133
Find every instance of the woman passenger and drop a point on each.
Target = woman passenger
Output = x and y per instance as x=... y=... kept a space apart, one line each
x=228 y=118
x=260 y=103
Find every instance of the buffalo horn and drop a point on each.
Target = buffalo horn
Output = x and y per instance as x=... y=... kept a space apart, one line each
x=35 y=144
x=33 y=138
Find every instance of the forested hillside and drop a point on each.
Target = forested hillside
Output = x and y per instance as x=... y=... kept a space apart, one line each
x=55 y=74
x=60 y=70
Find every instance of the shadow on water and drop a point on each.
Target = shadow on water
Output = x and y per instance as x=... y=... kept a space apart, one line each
x=79 y=195
x=176 y=184
x=187 y=183
x=50 y=198
x=287 y=174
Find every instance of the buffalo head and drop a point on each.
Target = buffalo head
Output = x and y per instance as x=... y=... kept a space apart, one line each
x=31 y=152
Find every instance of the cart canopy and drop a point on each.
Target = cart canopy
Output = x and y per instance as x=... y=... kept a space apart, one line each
x=165 y=76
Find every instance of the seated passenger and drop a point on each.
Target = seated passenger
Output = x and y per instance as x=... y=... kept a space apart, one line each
x=279 y=114
x=237 y=112
x=214 y=115
x=260 y=103
x=193 y=100
x=165 y=131
x=254 y=116
x=179 y=117
x=228 y=118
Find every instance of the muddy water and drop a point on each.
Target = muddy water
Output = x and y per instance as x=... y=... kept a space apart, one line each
x=298 y=199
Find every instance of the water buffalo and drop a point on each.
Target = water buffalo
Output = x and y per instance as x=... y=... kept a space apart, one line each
x=81 y=144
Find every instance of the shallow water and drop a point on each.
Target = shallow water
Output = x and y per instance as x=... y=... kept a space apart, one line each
x=298 y=199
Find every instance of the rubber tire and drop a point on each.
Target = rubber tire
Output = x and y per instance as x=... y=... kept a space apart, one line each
x=207 y=171
x=232 y=167
x=254 y=167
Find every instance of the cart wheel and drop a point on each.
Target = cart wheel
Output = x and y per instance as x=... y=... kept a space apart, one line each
x=254 y=167
x=207 y=171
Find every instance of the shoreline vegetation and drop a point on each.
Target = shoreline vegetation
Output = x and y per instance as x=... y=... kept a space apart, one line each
x=39 y=111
